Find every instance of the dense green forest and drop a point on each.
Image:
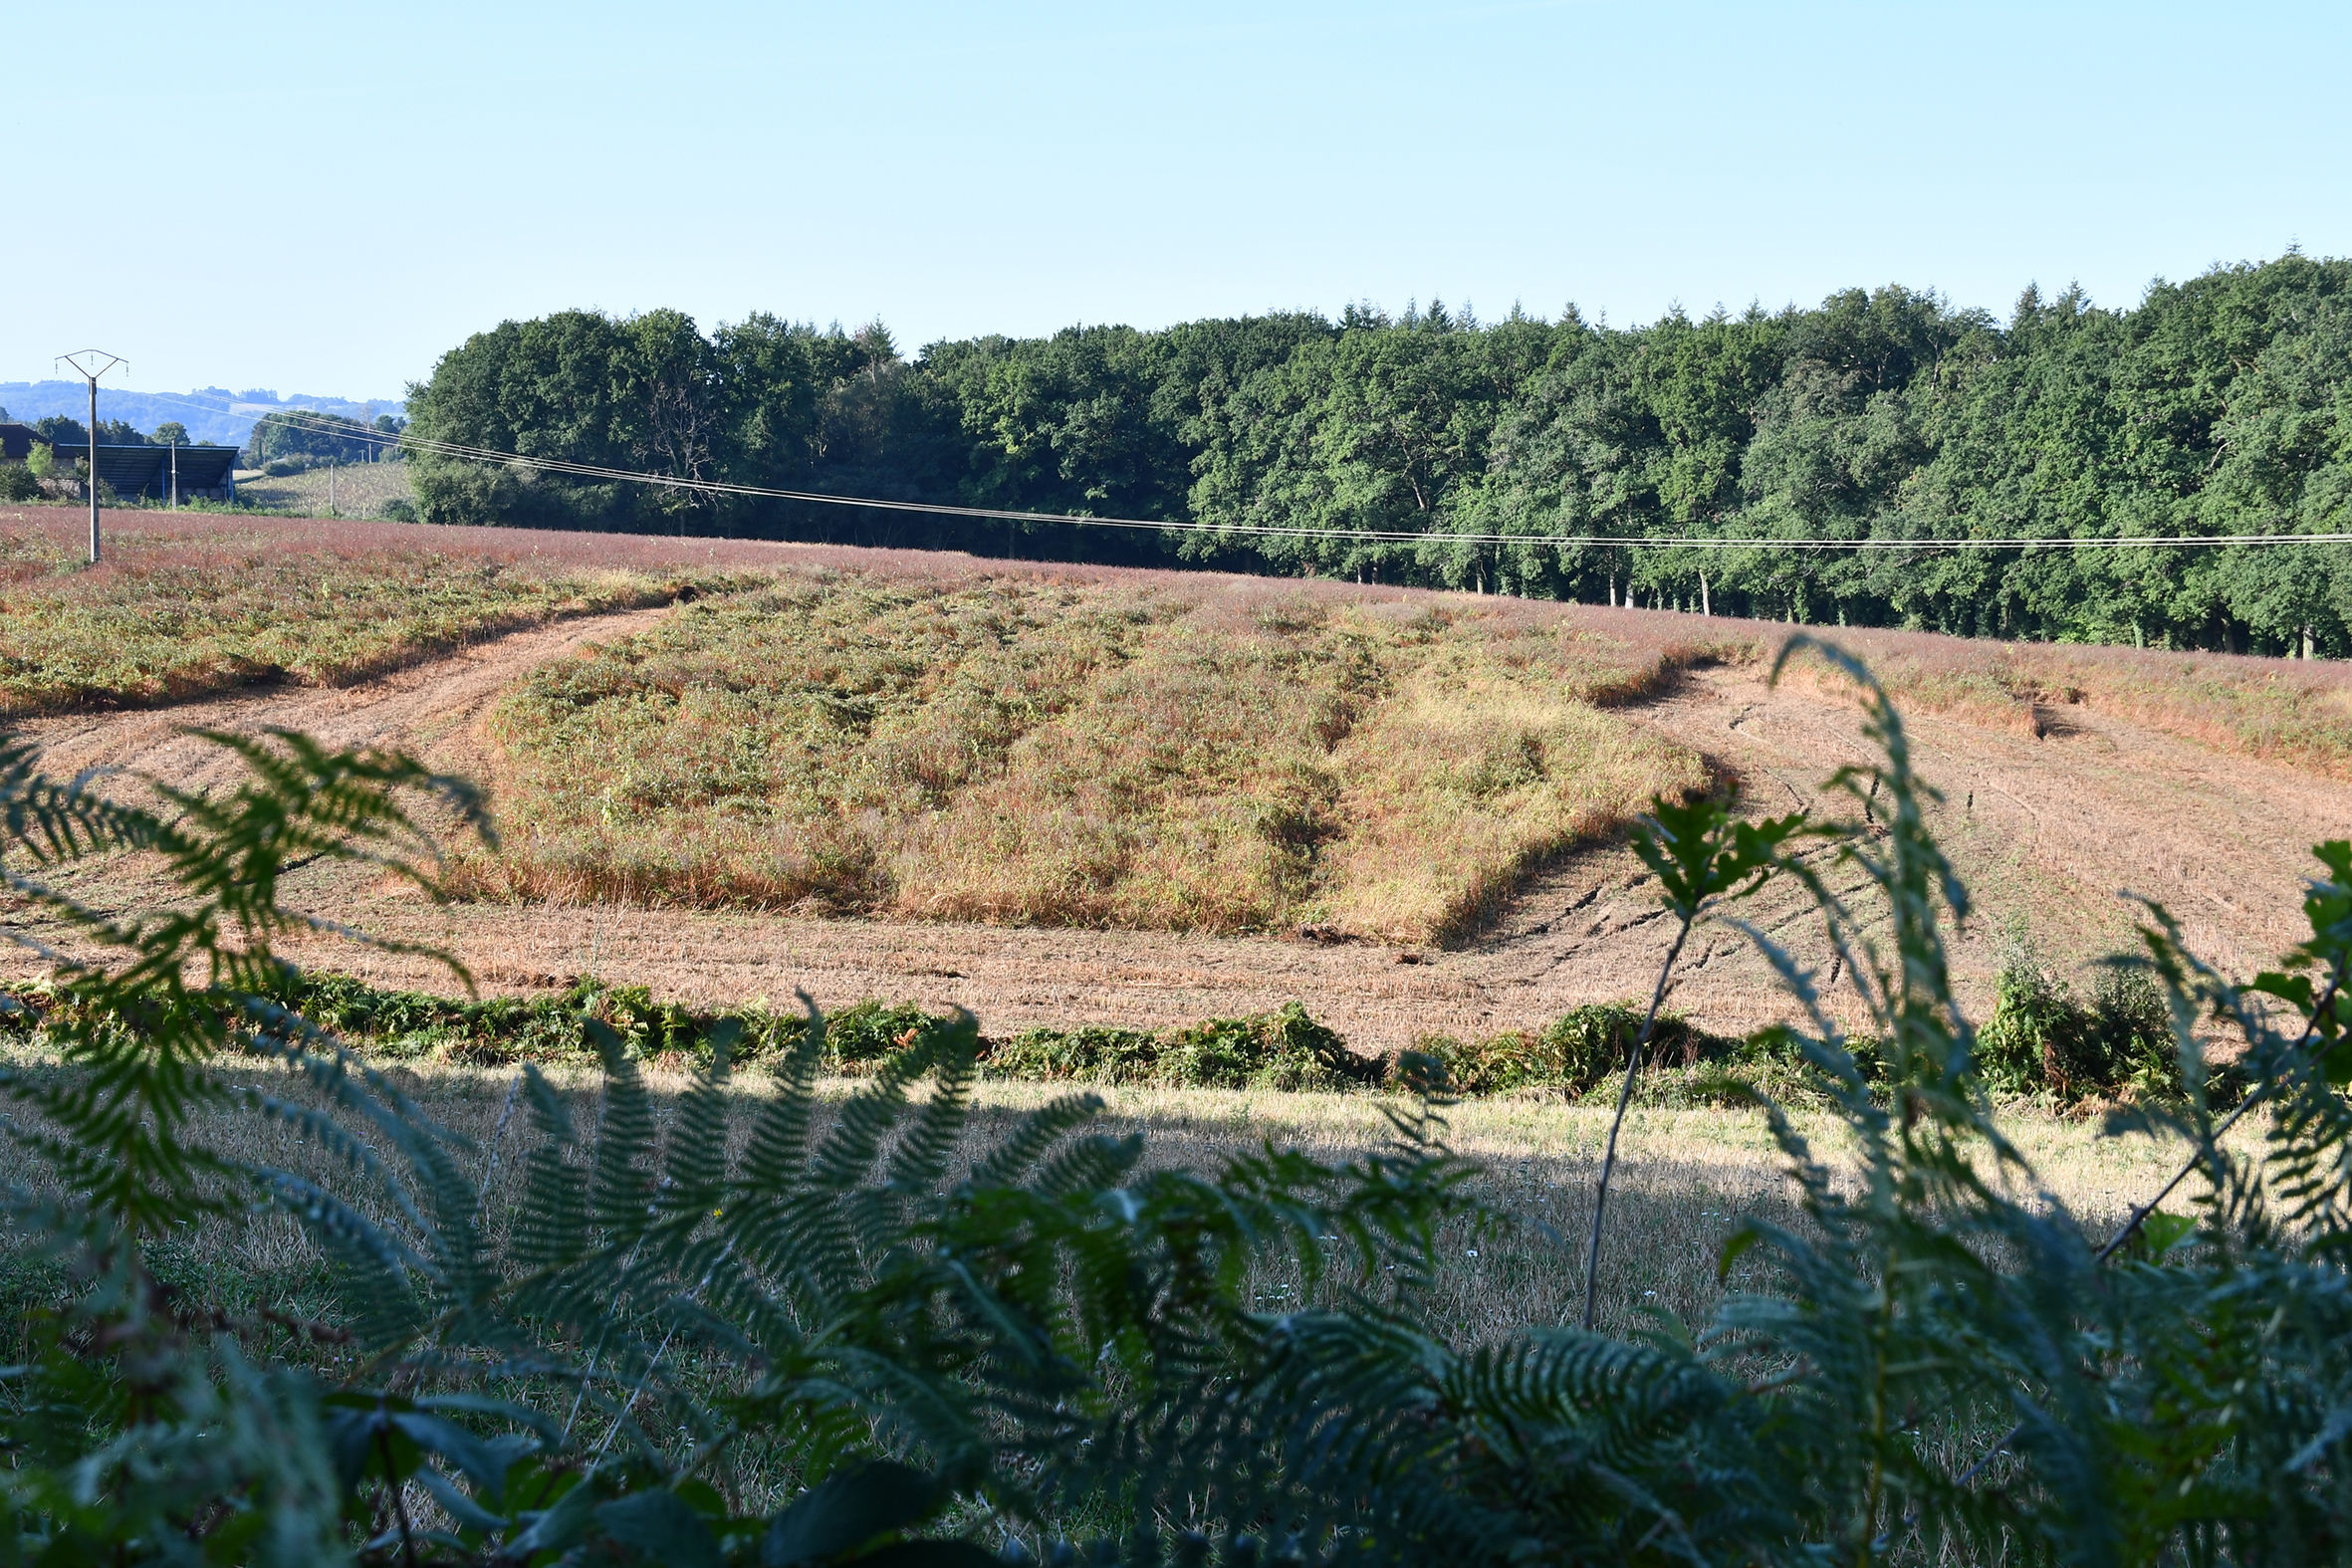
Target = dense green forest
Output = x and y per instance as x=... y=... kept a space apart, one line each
x=2219 y=405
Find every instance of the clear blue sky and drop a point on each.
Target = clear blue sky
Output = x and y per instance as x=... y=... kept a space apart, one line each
x=378 y=182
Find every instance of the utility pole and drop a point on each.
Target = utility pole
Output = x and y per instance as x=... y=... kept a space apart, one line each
x=93 y=364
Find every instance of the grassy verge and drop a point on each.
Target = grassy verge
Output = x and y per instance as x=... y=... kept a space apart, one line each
x=1209 y=757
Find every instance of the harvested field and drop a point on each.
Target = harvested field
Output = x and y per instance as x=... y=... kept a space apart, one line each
x=2296 y=712
x=185 y=606
x=2045 y=829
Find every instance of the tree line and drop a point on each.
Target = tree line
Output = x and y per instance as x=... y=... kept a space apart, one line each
x=63 y=430
x=2220 y=405
x=307 y=439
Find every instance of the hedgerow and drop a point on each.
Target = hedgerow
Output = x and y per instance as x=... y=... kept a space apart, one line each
x=1281 y=1049
x=2040 y=1040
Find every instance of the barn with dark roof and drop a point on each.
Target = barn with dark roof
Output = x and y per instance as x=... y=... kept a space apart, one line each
x=210 y=472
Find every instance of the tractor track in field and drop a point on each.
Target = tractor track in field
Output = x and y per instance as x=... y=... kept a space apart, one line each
x=2044 y=830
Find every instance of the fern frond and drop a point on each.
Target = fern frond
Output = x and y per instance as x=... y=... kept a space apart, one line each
x=621 y=1176
x=919 y=1162
x=54 y=822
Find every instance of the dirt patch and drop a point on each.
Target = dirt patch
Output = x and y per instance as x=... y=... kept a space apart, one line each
x=2044 y=828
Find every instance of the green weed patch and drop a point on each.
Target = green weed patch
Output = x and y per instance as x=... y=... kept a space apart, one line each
x=1281 y=1050
x=1284 y=1049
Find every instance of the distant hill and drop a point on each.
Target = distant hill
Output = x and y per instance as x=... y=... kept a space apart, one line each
x=211 y=413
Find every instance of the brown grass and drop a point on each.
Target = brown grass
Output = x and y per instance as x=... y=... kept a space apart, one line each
x=934 y=737
x=1193 y=754
x=2294 y=712
x=1489 y=760
x=179 y=609
x=2289 y=711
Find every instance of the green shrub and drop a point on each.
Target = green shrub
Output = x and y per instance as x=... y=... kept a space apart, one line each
x=18 y=483
x=2132 y=1033
x=1574 y=1052
x=1587 y=1045
x=858 y=1036
x=1284 y=1049
x=2041 y=1038
x=1087 y=1055
x=2035 y=1037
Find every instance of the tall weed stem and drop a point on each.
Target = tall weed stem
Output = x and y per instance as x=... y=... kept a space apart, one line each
x=1608 y=1164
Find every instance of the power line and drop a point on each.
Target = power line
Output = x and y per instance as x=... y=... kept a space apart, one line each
x=1720 y=543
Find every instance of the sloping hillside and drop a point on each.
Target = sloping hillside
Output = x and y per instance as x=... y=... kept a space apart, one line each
x=2066 y=776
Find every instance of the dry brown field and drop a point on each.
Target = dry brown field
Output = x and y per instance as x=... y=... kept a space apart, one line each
x=2066 y=775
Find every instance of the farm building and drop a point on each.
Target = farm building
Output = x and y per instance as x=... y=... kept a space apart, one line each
x=202 y=471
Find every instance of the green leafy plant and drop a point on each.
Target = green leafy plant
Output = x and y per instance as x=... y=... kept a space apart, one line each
x=1699 y=854
x=1284 y=1049
x=2041 y=1038
x=1574 y=1052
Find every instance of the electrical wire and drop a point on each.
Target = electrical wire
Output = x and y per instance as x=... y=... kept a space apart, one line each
x=307 y=419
